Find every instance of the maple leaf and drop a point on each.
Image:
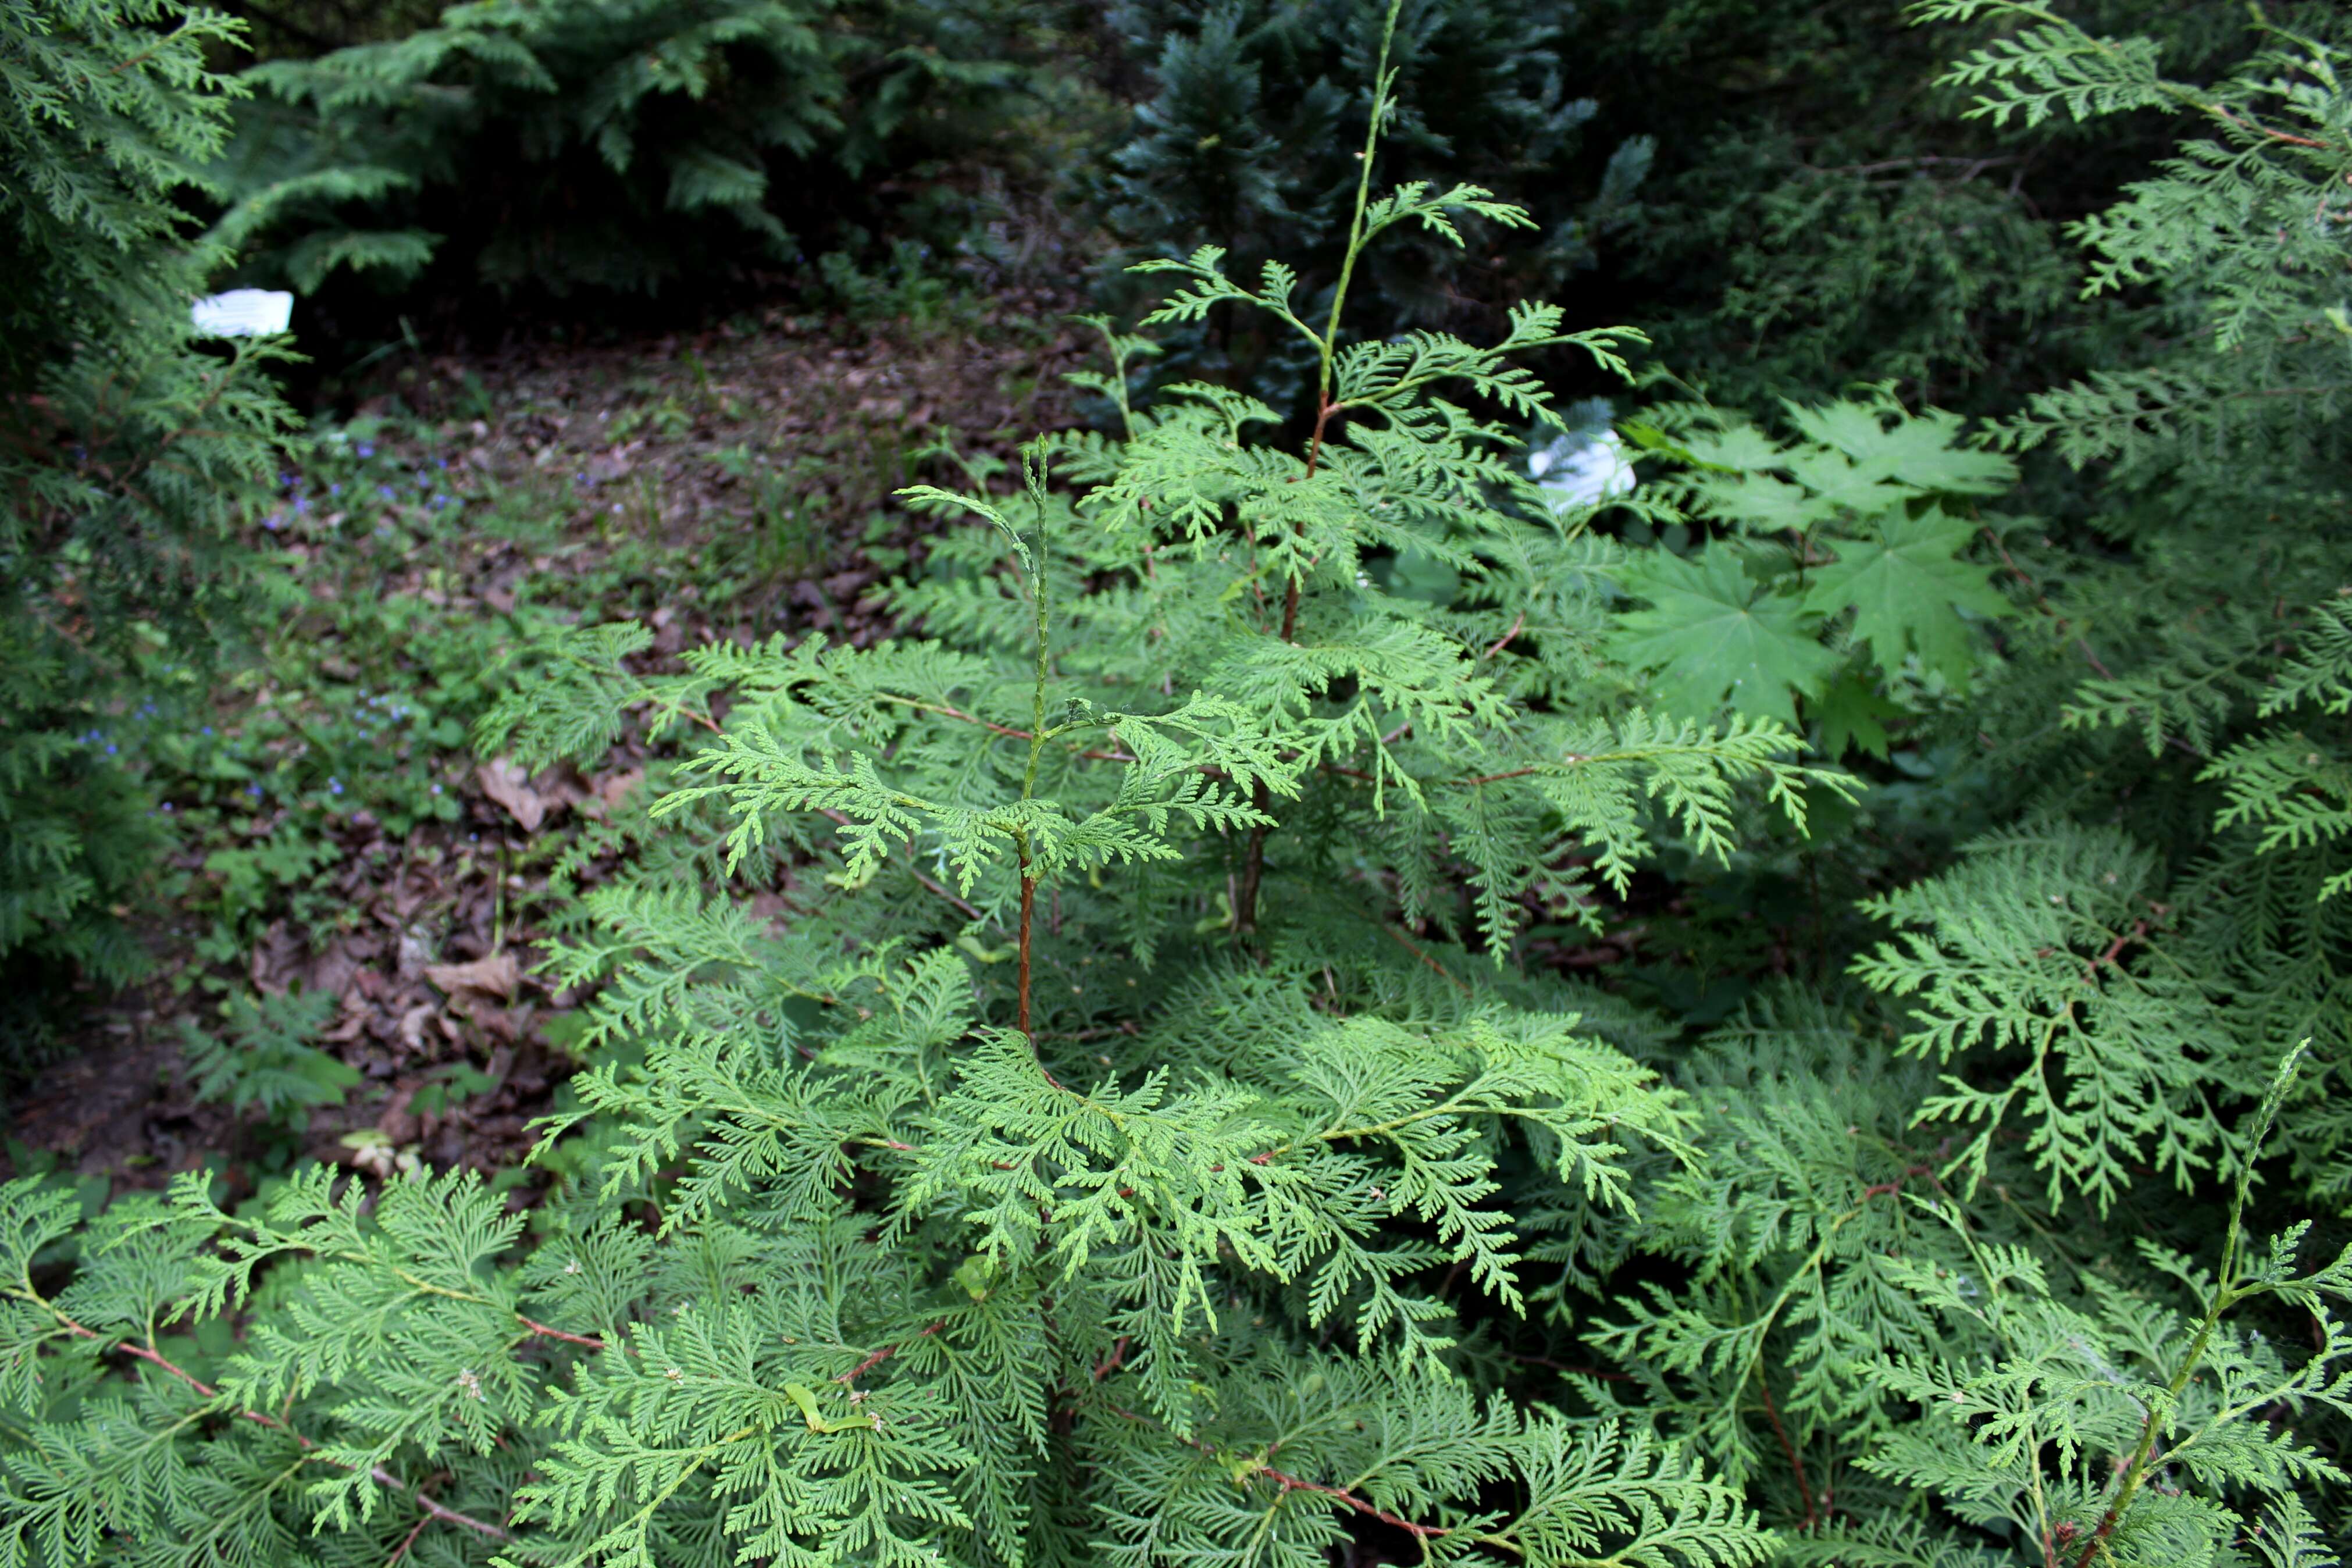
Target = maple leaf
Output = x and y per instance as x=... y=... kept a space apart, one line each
x=1740 y=448
x=1759 y=504
x=1714 y=635
x=1905 y=588
x=1852 y=715
x=1918 y=449
x=1839 y=484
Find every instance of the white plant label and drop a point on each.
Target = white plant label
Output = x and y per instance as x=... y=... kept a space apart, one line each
x=244 y=313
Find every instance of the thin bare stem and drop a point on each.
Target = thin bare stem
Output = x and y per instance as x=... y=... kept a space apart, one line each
x=1252 y=875
x=407 y=1541
x=1796 y=1461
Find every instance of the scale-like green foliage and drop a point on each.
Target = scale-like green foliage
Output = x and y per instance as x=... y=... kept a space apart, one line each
x=595 y=144
x=125 y=452
x=2115 y=1425
x=953 y=1253
x=1244 y=141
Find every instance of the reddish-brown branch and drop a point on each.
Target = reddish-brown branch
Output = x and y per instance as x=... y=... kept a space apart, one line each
x=2114 y=949
x=1110 y=1364
x=989 y=724
x=1796 y=1463
x=1888 y=1189
x=943 y=890
x=2042 y=600
x=1323 y=412
x=407 y=1541
x=541 y=1330
x=446 y=1515
x=878 y=1357
x=841 y=820
x=381 y=1476
x=144 y=56
x=1500 y=643
x=2292 y=140
x=2091 y=1547
x=1413 y=948
x=1290 y=1483
x=1252 y=875
x=1252 y=866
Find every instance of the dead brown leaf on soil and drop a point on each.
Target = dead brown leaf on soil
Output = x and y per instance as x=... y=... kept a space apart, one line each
x=497 y=975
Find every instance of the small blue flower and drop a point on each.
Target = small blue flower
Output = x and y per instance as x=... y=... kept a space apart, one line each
x=206 y=730
x=384 y=491
x=335 y=787
x=366 y=451
x=440 y=462
x=436 y=789
x=109 y=748
x=334 y=489
x=253 y=790
x=167 y=805
x=271 y=521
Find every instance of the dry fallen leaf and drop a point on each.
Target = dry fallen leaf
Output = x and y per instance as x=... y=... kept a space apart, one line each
x=412 y=1025
x=497 y=975
x=511 y=788
x=606 y=793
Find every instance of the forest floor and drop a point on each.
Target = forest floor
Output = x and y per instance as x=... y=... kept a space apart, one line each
x=343 y=856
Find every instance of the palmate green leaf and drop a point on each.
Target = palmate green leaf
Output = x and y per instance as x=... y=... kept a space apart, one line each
x=1854 y=716
x=1740 y=448
x=1762 y=504
x=1840 y=486
x=1905 y=587
x=1859 y=460
x=1921 y=450
x=1713 y=636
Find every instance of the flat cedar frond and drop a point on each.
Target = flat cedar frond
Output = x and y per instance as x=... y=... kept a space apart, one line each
x=2047 y=949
